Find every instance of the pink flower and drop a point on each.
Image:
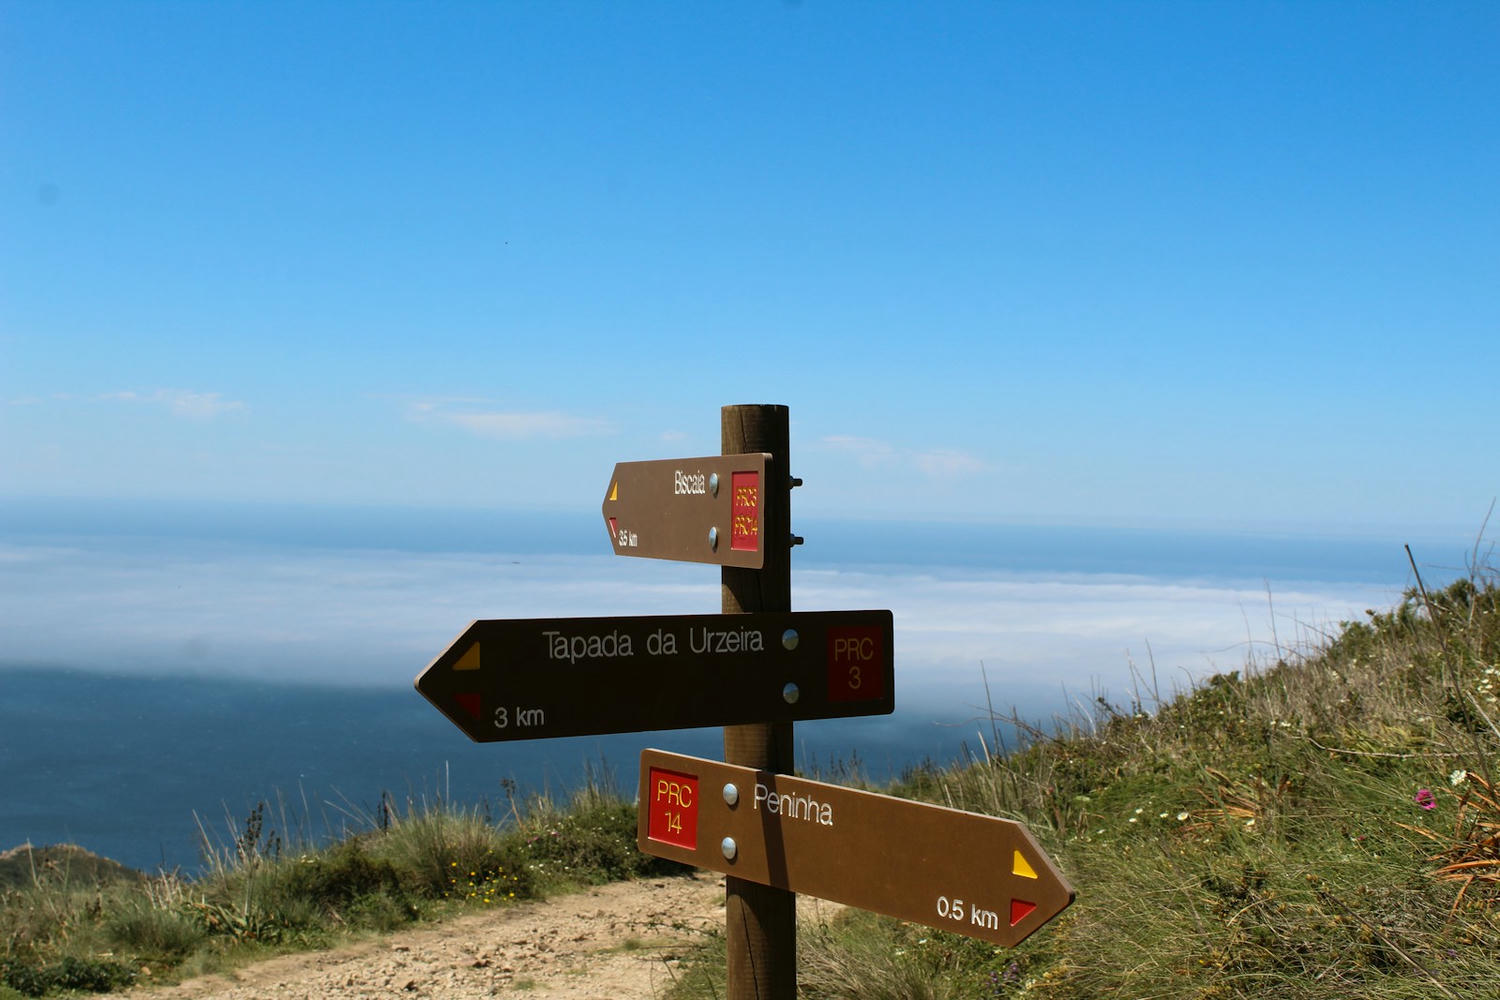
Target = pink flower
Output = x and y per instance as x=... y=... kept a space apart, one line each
x=1425 y=798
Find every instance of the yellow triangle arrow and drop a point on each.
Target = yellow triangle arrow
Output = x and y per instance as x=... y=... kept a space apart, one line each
x=614 y=490
x=1021 y=867
x=470 y=661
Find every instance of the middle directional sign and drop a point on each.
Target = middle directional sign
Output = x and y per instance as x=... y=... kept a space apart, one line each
x=536 y=678
x=708 y=510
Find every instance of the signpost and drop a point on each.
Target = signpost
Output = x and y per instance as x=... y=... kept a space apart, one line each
x=975 y=875
x=754 y=669
x=537 y=678
x=708 y=510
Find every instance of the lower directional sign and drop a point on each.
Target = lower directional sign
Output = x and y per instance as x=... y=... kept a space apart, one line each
x=975 y=875
x=535 y=678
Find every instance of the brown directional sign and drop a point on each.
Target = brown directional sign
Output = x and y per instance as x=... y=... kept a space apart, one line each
x=975 y=875
x=536 y=678
x=708 y=510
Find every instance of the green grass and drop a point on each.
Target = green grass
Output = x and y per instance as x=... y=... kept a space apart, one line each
x=1323 y=825
x=70 y=923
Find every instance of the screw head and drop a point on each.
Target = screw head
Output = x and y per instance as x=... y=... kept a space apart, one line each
x=729 y=847
x=713 y=483
x=789 y=639
x=731 y=794
x=790 y=693
x=713 y=539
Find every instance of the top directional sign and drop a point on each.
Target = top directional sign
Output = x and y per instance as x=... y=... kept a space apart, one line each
x=708 y=510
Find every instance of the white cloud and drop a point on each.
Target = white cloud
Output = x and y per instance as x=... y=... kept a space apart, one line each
x=512 y=425
x=947 y=463
x=937 y=463
x=870 y=452
x=528 y=425
x=182 y=402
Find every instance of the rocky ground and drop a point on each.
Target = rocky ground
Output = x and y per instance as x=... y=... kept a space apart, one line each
x=609 y=943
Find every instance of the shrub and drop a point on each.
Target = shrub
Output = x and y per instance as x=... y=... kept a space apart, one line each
x=154 y=931
x=454 y=853
x=92 y=975
x=593 y=843
x=333 y=880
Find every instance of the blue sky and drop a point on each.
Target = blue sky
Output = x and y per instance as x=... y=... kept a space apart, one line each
x=1144 y=263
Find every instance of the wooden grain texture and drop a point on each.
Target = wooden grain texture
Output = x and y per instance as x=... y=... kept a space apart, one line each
x=761 y=922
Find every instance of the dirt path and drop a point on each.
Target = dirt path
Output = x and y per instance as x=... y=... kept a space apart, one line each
x=616 y=942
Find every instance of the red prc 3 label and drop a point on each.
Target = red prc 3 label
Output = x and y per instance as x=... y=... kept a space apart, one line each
x=856 y=659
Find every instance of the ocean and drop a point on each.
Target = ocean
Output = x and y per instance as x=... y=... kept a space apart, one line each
x=165 y=668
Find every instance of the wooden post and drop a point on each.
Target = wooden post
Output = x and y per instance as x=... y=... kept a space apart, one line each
x=761 y=922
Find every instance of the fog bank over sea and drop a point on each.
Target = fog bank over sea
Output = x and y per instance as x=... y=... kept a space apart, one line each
x=368 y=596
x=162 y=660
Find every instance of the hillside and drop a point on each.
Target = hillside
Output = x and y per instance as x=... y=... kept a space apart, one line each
x=25 y=865
x=81 y=923
x=1324 y=825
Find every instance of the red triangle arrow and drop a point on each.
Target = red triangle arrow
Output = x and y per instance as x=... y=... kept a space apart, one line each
x=469 y=702
x=1019 y=910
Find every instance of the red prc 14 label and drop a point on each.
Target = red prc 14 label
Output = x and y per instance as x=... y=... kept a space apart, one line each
x=856 y=663
x=673 y=816
x=744 y=512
